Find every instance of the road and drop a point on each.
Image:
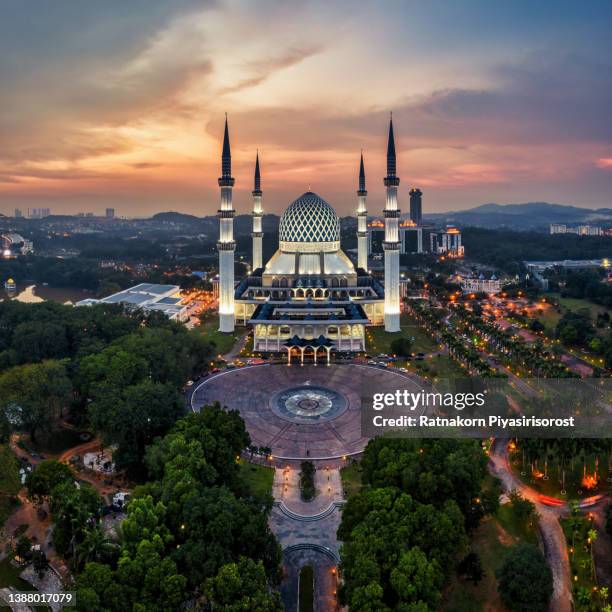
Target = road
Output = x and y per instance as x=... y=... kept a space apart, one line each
x=553 y=539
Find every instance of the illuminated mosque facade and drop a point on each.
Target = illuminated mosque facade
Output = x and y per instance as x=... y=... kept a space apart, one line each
x=309 y=299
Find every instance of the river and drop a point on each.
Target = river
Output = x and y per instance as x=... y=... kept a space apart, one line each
x=32 y=294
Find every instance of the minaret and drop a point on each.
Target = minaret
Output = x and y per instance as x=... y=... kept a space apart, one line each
x=226 y=244
x=391 y=244
x=362 y=220
x=257 y=216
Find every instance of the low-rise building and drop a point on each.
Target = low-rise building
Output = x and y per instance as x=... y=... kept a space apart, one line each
x=148 y=297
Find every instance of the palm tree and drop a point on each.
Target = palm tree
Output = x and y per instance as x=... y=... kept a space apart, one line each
x=591 y=537
x=94 y=547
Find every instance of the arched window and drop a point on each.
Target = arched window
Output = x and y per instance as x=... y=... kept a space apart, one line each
x=283 y=282
x=343 y=282
x=334 y=282
x=275 y=282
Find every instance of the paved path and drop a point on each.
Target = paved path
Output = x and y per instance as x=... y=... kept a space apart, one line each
x=298 y=524
x=254 y=390
x=553 y=539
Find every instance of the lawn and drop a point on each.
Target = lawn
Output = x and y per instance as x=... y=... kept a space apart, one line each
x=379 y=341
x=351 y=479
x=578 y=304
x=9 y=576
x=573 y=476
x=209 y=328
x=306 y=589
x=440 y=366
x=257 y=478
x=576 y=530
x=492 y=540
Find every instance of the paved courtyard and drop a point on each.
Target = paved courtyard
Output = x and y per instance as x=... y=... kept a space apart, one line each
x=300 y=411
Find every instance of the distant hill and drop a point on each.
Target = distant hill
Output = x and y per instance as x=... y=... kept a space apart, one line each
x=532 y=215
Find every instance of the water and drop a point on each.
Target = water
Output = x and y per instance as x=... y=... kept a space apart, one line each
x=32 y=294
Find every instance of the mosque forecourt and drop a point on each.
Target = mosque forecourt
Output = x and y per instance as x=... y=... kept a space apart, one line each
x=275 y=400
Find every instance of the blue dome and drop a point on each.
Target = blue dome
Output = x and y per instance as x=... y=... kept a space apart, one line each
x=309 y=219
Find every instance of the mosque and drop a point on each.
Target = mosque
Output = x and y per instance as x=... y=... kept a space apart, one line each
x=309 y=299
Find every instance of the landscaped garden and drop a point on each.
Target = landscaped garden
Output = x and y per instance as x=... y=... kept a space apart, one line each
x=563 y=468
x=581 y=534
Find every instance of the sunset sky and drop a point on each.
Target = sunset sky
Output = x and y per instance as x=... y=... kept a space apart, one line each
x=121 y=102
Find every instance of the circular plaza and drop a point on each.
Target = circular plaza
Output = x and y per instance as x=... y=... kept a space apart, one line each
x=301 y=411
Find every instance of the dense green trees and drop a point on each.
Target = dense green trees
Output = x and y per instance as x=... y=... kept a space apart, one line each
x=432 y=471
x=74 y=507
x=506 y=249
x=402 y=533
x=45 y=477
x=192 y=530
x=34 y=396
x=401 y=347
x=525 y=580
x=121 y=372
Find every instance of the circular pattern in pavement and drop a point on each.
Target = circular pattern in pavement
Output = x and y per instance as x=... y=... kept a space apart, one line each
x=308 y=404
x=301 y=411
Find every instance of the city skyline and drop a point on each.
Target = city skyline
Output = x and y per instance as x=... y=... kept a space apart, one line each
x=491 y=104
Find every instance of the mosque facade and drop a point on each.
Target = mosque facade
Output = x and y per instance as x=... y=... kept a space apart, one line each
x=309 y=299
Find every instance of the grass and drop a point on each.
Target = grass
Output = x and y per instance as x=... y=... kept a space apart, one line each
x=306 y=594
x=9 y=576
x=492 y=540
x=578 y=304
x=379 y=341
x=209 y=328
x=351 y=479
x=573 y=477
x=257 y=478
x=576 y=531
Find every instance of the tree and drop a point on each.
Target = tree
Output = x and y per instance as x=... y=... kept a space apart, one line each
x=525 y=580
x=23 y=549
x=35 y=395
x=241 y=586
x=522 y=508
x=609 y=519
x=401 y=347
x=72 y=510
x=45 y=477
x=133 y=416
x=471 y=567
x=372 y=522
x=94 y=547
x=10 y=482
x=40 y=562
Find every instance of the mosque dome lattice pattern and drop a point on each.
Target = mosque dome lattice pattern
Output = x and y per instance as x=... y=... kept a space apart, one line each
x=309 y=219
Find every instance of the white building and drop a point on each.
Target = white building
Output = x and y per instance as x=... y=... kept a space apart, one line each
x=581 y=230
x=480 y=284
x=148 y=297
x=309 y=298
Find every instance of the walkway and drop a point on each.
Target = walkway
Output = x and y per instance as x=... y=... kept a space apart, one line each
x=553 y=539
x=306 y=532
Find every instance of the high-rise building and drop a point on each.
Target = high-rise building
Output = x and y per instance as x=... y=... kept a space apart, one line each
x=226 y=245
x=416 y=205
x=110 y=213
x=18 y=213
x=38 y=213
x=391 y=245
x=447 y=242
